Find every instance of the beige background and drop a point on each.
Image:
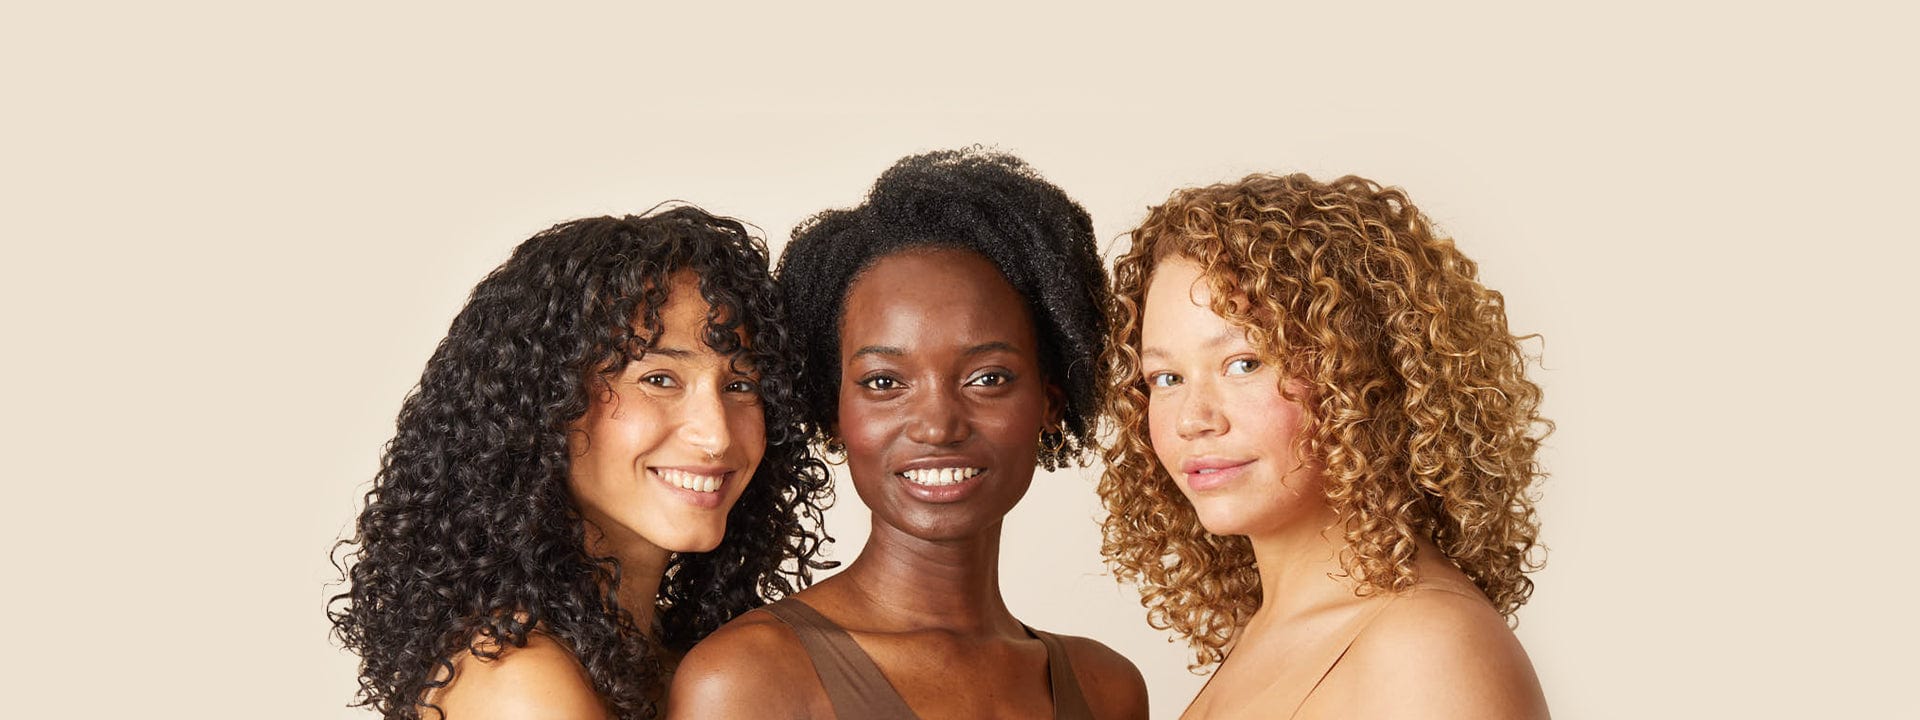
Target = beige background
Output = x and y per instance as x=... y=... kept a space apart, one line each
x=233 y=234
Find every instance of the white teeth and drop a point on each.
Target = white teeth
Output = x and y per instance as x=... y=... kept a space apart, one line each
x=941 y=476
x=690 y=481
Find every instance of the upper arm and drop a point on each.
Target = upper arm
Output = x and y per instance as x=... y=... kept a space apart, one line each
x=1443 y=656
x=750 y=668
x=1112 y=685
x=541 y=680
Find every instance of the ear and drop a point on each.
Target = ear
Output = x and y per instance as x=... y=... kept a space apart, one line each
x=1056 y=408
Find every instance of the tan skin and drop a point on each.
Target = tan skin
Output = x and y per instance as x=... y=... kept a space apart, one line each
x=1224 y=431
x=680 y=415
x=933 y=375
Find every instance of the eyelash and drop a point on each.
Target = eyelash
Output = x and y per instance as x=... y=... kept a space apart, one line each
x=1004 y=376
x=1167 y=379
x=666 y=381
x=871 y=382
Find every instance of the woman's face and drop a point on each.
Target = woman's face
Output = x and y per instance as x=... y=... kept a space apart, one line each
x=942 y=396
x=666 y=448
x=1215 y=413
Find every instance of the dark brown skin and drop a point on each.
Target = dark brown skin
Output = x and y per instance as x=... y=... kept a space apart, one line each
x=933 y=373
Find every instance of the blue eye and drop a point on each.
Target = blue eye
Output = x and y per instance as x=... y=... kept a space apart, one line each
x=1163 y=380
x=991 y=378
x=1243 y=366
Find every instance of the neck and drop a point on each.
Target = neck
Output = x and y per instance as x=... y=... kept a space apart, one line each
x=1300 y=565
x=642 y=566
x=914 y=584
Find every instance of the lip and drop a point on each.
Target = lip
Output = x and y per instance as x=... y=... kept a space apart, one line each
x=1207 y=473
x=941 y=494
x=706 y=500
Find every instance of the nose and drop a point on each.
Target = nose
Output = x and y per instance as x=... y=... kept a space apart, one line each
x=703 y=423
x=938 y=417
x=1200 y=414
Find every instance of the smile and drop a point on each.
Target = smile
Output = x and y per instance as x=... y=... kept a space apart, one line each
x=936 y=477
x=687 y=480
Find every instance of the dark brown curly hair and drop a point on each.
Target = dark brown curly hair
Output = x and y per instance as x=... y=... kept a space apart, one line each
x=470 y=539
x=1417 y=399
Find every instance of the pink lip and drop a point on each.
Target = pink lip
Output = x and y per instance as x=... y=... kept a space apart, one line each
x=707 y=501
x=1206 y=473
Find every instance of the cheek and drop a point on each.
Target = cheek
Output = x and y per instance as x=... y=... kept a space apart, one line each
x=1274 y=419
x=863 y=428
x=1161 y=430
x=748 y=426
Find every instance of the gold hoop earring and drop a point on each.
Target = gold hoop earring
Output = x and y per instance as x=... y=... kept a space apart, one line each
x=1053 y=446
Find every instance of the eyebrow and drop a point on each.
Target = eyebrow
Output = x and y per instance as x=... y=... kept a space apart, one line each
x=987 y=347
x=672 y=352
x=891 y=351
x=1224 y=337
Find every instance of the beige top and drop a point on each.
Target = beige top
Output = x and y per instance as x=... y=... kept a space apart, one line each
x=857 y=688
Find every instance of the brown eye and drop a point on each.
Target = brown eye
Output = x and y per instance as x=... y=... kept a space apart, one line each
x=660 y=380
x=880 y=382
x=991 y=378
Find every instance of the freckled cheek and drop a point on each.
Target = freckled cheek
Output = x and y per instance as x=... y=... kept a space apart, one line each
x=1160 y=431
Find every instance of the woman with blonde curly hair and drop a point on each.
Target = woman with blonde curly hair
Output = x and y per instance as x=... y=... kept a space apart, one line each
x=1325 y=453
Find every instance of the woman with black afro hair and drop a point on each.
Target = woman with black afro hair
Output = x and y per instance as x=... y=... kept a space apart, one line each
x=949 y=330
x=602 y=463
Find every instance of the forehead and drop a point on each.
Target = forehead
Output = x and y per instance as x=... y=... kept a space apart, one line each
x=1177 y=313
x=934 y=296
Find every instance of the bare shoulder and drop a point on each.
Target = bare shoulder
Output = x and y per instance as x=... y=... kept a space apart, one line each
x=541 y=680
x=1111 y=683
x=1446 y=654
x=752 y=667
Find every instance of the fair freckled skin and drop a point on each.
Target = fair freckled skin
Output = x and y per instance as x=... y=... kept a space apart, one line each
x=933 y=375
x=1226 y=433
x=679 y=415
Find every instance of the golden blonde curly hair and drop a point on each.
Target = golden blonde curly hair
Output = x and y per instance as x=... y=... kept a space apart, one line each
x=1418 y=405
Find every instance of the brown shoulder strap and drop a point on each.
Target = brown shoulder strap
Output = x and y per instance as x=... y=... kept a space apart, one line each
x=854 y=684
x=1069 y=703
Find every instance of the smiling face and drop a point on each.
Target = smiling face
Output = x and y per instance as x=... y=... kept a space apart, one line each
x=1218 y=421
x=668 y=444
x=942 y=396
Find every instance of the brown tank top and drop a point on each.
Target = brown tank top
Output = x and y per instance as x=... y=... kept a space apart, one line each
x=857 y=688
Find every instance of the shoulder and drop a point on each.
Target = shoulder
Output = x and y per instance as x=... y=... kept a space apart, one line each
x=1111 y=683
x=541 y=680
x=742 y=670
x=1446 y=654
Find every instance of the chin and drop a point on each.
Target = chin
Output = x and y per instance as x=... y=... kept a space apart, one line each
x=694 y=540
x=1225 y=520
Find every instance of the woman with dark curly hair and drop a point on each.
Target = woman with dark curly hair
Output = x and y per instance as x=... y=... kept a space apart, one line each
x=601 y=465
x=1325 y=451
x=948 y=327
